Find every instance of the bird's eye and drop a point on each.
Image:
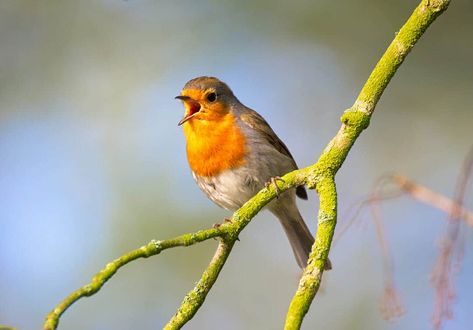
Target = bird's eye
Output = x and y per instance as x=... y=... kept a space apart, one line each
x=211 y=97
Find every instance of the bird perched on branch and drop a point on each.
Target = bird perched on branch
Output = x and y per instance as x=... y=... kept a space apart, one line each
x=233 y=153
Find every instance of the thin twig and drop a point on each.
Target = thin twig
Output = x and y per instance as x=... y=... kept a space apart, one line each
x=434 y=199
x=391 y=304
x=451 y=248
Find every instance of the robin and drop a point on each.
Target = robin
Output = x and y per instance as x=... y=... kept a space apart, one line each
x=233 y=153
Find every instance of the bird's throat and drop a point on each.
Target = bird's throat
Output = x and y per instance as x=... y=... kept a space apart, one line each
x=214 y=146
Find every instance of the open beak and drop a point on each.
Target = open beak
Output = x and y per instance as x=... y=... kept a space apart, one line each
x=192 y=108
x=186 y=118
x=183 y=98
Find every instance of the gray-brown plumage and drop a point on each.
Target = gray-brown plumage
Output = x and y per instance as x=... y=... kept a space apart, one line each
x=217 y=124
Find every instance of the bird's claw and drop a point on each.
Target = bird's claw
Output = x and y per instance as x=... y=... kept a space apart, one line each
x=218 y=225
x=274 y=181
x=225 y=220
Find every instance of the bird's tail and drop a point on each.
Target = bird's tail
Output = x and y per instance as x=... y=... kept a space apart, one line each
x=296 y=230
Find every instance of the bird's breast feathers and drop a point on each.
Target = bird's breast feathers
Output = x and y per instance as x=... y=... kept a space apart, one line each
x=231 y=188
x=213 y=147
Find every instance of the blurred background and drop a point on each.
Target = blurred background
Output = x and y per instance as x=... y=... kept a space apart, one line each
x=92 y=163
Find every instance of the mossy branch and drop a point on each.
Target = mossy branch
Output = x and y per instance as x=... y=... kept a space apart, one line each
x=227 y=232
x=195 y=298
x=320 y=176
x=354 y=121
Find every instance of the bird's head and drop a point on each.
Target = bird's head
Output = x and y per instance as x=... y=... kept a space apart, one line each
x=205 y=99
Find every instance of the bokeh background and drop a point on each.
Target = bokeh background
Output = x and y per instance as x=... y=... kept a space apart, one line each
x=92 y=163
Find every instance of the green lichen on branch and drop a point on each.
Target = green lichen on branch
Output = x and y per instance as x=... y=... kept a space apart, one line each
x=196 y=297
x=354 y=121
x=425 y=13
x=228 y=232
x=148 y=250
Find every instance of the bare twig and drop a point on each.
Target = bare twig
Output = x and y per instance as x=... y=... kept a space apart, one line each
x=391 y=305
x=434 y=199
x=406 y=186
x=451 y=248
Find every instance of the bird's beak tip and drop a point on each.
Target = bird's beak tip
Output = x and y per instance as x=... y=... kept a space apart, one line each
x=182 y=97
x=183 y=120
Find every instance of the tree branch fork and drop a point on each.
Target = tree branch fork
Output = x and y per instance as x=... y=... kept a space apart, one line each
x=228 y=233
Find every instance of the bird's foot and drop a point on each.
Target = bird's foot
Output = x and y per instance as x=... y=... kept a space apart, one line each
x=218 y=225
x=273 y=181
x=225 y=220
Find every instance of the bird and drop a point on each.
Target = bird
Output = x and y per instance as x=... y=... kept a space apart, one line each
x=233 y=153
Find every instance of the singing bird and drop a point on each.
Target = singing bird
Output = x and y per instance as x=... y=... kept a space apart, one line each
x=233 y=153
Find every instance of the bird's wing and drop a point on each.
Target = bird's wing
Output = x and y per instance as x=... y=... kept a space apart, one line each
x=256 y=122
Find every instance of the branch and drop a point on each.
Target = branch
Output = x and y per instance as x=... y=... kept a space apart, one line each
x=354 y=120
x=195 y=298
x=148 y=250
x=228 y=232
x=451 y=250
x=434 y=199
x=411 y=189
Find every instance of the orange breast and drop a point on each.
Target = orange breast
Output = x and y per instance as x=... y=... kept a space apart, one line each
x=214 y=146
